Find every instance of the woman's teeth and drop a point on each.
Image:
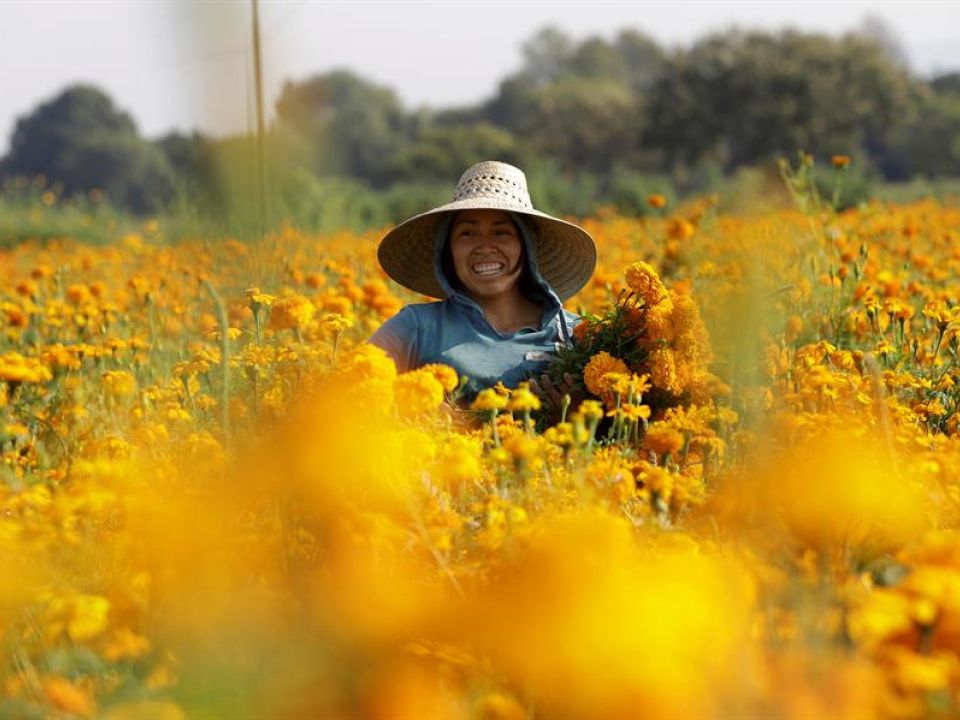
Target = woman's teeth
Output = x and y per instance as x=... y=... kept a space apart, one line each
x=487 y=268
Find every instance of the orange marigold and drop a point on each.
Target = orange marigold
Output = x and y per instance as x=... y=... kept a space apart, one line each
x=443 y=374
x=295 y=311
x=644 y=280
x=595 y=372
x=663 y=369
x=656 y=201
x=663 y=440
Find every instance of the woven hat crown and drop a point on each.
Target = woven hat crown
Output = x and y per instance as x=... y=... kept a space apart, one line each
x=498 y=181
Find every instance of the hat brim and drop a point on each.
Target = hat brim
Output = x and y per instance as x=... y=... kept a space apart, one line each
x=566 y=254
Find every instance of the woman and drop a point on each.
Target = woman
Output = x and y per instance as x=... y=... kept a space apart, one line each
x=504 y=269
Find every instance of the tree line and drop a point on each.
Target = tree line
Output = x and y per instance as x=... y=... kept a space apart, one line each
x=593 y=122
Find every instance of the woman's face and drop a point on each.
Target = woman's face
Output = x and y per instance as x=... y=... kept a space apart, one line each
x=487 y=252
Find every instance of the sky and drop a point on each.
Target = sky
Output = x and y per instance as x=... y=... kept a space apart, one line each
x=187 y=64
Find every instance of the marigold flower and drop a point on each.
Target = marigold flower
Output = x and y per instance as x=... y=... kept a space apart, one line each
x=417 y=393
x=444 y=374
x=656 y=201
x=523 y=400
x=591 y=410
x=119 y=383
x=488 y=400
x=659 y=321
x=663 y=369
x=840 y=161
x=259 y=299
x=663 y=440
x=596 y=370
x=294 y=312
x=680 y=229
x=645 y=282
x=16 y=368
x=334 y=323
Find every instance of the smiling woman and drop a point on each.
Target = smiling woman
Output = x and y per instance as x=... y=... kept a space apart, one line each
x=504 y=269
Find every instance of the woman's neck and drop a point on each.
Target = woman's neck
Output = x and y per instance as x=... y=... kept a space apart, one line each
x=509 y=312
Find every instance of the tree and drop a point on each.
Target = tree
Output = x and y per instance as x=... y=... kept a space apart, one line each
x=81 y=140
x=643 y=57
x=546 y=56
x=132 y=173
x=746 y=98
x=441 y=153
x=351 y=124
x=930 y=144
x=585 y=124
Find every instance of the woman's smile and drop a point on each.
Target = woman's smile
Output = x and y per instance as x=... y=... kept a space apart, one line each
x=485 y=269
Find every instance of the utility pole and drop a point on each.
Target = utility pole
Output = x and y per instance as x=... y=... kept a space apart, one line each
x=261 y=152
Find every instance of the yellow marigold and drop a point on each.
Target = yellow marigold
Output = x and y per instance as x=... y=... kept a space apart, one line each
x=663 y=369
x=612 y=478
x=458 y=460
x=522 y=399
x=685 y=315
x=596 y=371
x=680 y=229
x=257 y=298
x=617 y=383
x=663 y=440
x=444 y=374
x=119 y=383
x=591 y=409
x=660 y=322
x=16 y=368
x=334 y=323
x=291 y=312
x=522 y=447
x=369 y=362
x=89 y=617
x=488 y=400
x=418 y=393
x=644 y=280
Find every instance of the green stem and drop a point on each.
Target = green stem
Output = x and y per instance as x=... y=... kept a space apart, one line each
x=224 y=357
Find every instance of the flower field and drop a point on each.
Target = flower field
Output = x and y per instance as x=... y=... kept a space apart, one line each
x=217 y=501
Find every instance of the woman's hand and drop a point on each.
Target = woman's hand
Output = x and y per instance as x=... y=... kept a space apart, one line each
x=551 y=395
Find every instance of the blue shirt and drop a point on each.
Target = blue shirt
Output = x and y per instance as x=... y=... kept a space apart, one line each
x=456 y=332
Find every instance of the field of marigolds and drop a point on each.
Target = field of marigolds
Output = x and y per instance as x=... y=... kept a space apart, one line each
x=216 y=501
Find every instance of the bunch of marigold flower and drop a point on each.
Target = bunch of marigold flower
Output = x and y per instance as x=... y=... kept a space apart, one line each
x=650 y=331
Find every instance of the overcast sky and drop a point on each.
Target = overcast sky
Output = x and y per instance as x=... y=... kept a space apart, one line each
x=184 y=65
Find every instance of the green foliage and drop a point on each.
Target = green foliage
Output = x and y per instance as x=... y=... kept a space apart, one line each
x=586 y=124
x=81 y=141
x=930 y=144
x=34 y=210
x=747 y=98
x=442 y=153
x=350 y=124
x=595 y=122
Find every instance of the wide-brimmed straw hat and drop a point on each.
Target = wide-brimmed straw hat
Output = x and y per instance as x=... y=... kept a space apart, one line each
x=566 y=254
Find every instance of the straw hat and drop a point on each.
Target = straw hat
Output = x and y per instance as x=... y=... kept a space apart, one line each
x=566 y=254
